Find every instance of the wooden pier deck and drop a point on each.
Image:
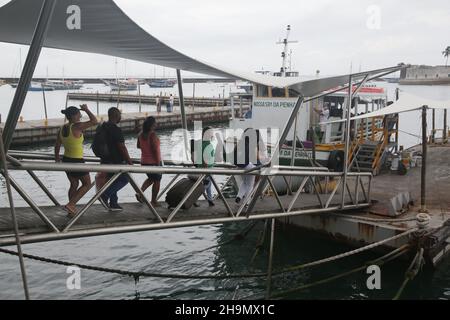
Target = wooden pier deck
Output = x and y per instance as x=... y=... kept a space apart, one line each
x=151 y=99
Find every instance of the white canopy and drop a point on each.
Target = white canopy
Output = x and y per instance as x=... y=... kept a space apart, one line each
x=106 y=29
x=406 y=102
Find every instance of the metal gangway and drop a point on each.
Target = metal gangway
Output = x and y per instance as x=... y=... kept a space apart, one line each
x=46 y=223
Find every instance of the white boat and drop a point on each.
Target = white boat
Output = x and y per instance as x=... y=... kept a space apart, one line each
x=162 y=83
x=271 y=108
x=63 y=84
x=122 y=84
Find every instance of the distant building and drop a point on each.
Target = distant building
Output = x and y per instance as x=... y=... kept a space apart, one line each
x=426 y=75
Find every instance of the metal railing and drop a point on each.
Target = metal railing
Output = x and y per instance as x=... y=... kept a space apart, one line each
x=358 y=194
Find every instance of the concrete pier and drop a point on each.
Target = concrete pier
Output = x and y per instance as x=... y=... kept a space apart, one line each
x=39 y=131
x=146 y=99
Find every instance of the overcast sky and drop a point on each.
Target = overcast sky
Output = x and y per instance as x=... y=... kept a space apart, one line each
x=241 y=34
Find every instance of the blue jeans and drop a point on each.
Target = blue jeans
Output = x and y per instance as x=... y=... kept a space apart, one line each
x=111 y=192
x=207 y=185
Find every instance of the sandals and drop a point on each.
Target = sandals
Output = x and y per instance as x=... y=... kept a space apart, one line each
x=69 y=211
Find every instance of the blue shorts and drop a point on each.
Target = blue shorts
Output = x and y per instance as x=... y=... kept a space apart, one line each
x=153 y=176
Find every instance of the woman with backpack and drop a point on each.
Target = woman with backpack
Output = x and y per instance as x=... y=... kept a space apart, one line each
x=71 y=137
x=150 y=147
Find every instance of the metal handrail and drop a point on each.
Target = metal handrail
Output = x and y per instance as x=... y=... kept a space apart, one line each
x=112 y=168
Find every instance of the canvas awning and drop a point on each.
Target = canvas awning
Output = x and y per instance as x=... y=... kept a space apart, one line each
x=106 y=29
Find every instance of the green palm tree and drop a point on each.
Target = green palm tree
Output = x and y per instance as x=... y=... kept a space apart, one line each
x=446 y=53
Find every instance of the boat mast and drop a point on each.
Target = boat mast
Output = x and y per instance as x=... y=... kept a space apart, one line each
x=285 y=42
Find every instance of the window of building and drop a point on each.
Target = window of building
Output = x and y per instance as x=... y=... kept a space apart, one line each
x=262 y=91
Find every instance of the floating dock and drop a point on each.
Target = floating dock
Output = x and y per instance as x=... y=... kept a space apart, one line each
x=40 y=131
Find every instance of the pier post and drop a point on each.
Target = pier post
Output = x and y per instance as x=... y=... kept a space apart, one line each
x=45 y=106
x=423 y=174
x=183 y=112
x=269 y=268
x=98 y=111
x=433 y=128
x=444 y=135
x=45 y=16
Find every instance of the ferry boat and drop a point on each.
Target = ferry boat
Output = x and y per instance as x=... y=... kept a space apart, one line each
x=316 y=143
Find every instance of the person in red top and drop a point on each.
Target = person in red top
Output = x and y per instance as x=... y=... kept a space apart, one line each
x=150 y=147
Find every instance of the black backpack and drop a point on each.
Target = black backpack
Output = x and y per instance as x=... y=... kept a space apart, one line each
x=100 y=143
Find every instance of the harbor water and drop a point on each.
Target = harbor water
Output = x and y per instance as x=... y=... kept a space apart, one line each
x=195 y=250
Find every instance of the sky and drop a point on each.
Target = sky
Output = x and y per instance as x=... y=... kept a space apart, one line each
x=333 y=36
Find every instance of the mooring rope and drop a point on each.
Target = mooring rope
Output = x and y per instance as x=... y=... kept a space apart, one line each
x=380 y=261
x=374 y=219
x=137 y=274
x=411 y=272
x=345 y=254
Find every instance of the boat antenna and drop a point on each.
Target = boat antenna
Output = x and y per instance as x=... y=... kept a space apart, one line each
x=285 y=42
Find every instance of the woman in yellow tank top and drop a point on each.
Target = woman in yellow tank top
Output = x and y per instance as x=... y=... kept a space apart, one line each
x=71 y=137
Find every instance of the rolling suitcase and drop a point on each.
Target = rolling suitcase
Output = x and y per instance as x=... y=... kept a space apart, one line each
x=179 y=190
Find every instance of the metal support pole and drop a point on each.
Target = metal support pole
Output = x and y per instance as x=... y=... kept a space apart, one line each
x=45 y=104
x=347 y=141
x=91 y=202
x=241 y=108
x=193 y=96
x=433 y=128
x=423 y=174
x=396 y=132
x=118 y=94
x=32 y=205
x=269 y=268
x=98 y=109
x=294 y=147
x=139 y=191
x=27 y=73
x=444 y=136
x=232 y=106
x=287 y=128
x=167 y=186
x=183 y=113
x=13 y=216
x=221 y=196
x=36 y=179
x=139 y=94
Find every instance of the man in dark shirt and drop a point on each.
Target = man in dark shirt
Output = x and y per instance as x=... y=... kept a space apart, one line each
x=118 y=155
